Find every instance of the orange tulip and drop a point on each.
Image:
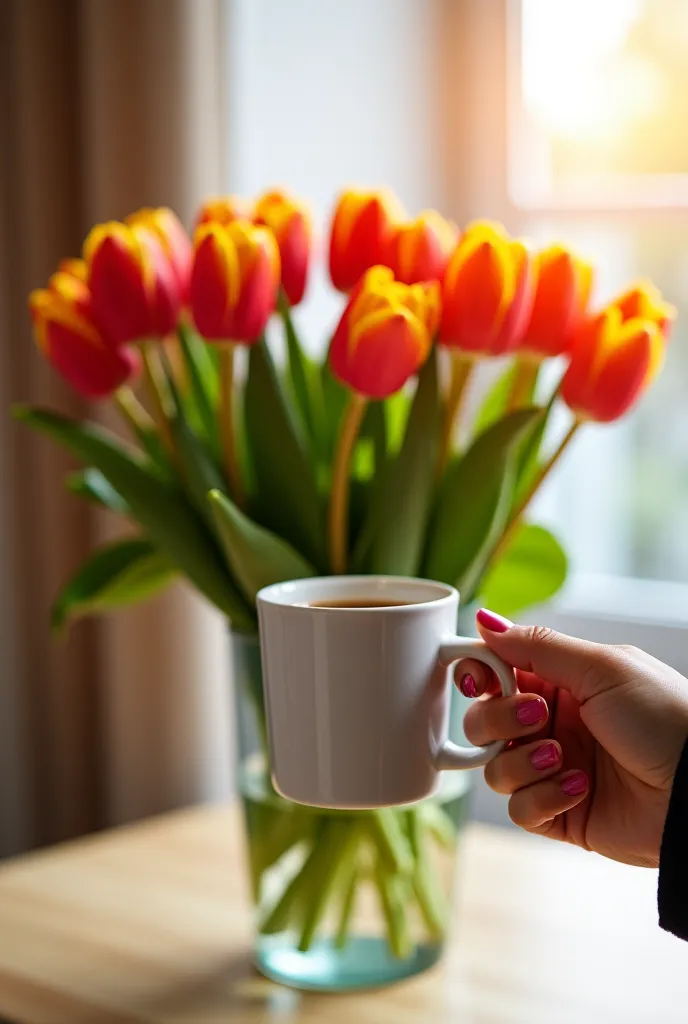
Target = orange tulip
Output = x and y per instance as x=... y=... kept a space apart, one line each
x=419 y=250
x=223 y=210
x=487 y=293
x=70 y=341
x=290 y=223
x=385 y=333
x=562 y=294
x=234 y=280
x=360 y=234
x=176 y=244
x=615 y=357
x=134 y=291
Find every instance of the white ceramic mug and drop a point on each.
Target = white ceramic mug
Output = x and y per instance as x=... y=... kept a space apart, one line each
x=357 y=698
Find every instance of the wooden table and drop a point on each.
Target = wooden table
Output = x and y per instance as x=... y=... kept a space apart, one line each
x=152 y=924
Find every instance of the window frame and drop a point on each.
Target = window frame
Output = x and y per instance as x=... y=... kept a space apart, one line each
x=482 y=74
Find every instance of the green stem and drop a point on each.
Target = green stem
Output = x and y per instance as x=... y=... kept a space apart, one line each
x=349 y=888
x=391 y=888
x=544 y=472
x=428 y=893
x=226 y=424
x=461 y=370
x=438 y=823
x=336 y=850
x=289 y=905
x=153 y=376
x=339 y=497
x=390 y=842
x=523 y=384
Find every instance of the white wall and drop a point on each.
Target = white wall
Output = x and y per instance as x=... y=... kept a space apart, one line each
x=324 y=94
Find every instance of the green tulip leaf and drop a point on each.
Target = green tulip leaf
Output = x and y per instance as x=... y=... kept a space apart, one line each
x=531 y=570
x=304 y=381
x=396 y=409
x=475 y=502
x=91 y=485
x=335 y=397
x=165 y=514
x=287 y=497
x=114 y=576
x=529 y=459
x=200 y=472
x=393 y=534
x=203 y=381
x=256 y=556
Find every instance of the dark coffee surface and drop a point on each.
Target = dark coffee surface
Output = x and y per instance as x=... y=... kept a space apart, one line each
x=357 y=602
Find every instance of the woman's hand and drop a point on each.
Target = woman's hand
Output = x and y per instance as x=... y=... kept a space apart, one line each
x=596 y=735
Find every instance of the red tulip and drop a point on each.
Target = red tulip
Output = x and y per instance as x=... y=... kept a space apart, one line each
x=136 y=296
x=234 y=281
x=385 y=333
x=290 y=223
x=614 y=359
x=360 y=234
x=487 y=292
x=562 y=294
x=70 y=341
x=419 y=250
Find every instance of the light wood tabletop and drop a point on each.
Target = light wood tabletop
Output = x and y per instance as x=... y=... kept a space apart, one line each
x=152 y=924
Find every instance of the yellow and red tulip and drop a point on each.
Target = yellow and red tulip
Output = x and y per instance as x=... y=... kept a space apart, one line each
x=223 y=210
x=644 y=301
x=360 y=234
x=176 y=244
x=487 y=292
x=135 y=294
x=69 y=339
x=562 y=295
x=419 y=250
x=616 y=355
x=290 y=223
x=234 y=280
x=385 y=333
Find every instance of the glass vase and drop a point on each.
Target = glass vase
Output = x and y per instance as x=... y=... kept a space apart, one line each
x=343 y=900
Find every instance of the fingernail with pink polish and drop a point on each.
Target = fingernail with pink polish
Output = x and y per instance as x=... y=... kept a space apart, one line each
x=468 y=687
x=575 y=784
x=531 y=712
x=545 y=756
x=490 y=620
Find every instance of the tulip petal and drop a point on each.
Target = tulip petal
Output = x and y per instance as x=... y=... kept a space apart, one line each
x=385 y=350
x=360 y=234
x=561 y=295
x=214 y=283
x=478 y=288
x=627 y=370
x=93 y=369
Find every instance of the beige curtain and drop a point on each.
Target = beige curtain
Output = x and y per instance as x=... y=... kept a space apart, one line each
x=105 y=106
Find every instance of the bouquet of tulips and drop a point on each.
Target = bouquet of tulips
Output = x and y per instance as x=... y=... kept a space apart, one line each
x=242 y=473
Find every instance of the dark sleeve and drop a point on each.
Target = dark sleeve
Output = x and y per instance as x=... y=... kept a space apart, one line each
x=672 y=896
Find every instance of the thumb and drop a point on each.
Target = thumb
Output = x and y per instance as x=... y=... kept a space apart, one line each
x=581 y=667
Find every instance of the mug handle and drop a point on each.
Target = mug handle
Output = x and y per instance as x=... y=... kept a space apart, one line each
x=453 y=648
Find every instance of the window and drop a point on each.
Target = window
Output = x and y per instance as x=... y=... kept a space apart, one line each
x=598 y=157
